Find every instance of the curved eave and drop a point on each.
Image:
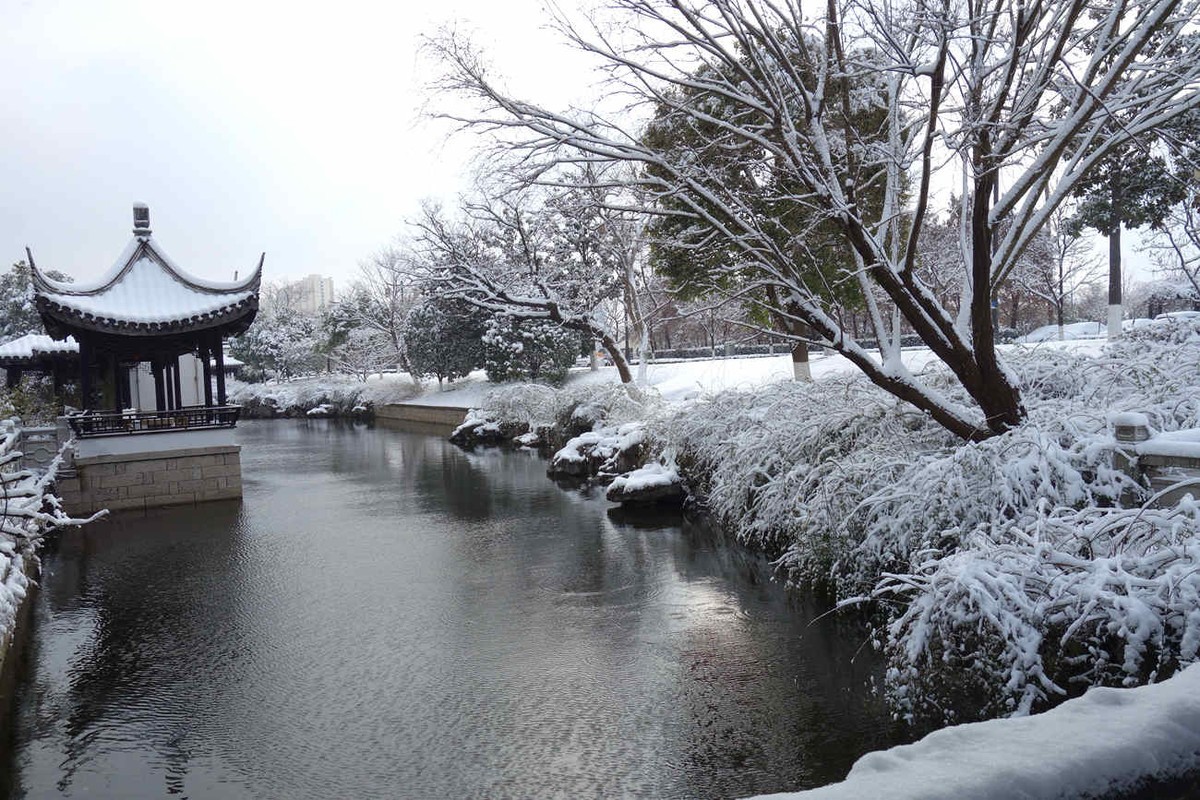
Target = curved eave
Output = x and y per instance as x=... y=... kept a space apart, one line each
x=38 y=359
x=138 y=248
x=61 y=321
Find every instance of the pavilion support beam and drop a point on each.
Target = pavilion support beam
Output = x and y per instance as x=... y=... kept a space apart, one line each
x=219 y=352
x=12 y=376
x=160 y=393
x=176 y=383
x=206 y=360
x=85 y=374
x=114 y=369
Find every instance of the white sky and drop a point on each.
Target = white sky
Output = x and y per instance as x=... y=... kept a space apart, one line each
x=291 y=128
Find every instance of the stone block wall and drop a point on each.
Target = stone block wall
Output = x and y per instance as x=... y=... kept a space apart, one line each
x=153 y=479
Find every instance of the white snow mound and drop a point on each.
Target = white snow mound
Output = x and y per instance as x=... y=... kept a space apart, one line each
x=1108 y=740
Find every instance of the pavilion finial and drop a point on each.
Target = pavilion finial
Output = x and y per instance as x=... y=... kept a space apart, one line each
x=141 y=219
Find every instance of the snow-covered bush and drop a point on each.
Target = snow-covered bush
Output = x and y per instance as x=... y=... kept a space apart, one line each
x=527 y=350
x=573 y=407
x=341 y=393
x=1007 y=571
x=32 y=400
x=547 y=417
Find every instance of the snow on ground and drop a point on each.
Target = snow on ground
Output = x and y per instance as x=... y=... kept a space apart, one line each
x=679 y=381
x=1106 y=741
x=674 y=381
x=1082 y=330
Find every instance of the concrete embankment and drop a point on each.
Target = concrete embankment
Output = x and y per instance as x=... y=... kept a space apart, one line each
x=412 y=416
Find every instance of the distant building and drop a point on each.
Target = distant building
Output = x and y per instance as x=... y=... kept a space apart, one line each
x=311 y=295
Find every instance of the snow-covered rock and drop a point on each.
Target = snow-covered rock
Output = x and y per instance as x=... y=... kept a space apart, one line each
x=480 y=429
x=653 y=483
x=603 y=453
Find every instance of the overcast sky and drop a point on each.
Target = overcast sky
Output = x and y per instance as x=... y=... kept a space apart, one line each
x=290 y=128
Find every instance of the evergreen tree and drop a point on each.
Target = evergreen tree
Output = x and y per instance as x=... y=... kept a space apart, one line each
x=528 y=350
x=18 y=315
x=443 y=338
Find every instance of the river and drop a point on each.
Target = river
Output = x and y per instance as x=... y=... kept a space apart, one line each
x=384 y=615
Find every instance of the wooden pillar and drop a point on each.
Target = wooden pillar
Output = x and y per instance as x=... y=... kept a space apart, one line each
x=175 y=383
x=126 y=391
x=160 y=394
x=12 y=376
x=114 y=367
x=219 y=352
x=168 y=386
x=85 y=374
x=205 y=355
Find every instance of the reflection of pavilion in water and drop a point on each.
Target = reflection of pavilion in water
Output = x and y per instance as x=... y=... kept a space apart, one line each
x=155 y=428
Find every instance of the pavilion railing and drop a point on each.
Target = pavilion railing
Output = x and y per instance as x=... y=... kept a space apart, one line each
x=121 y=423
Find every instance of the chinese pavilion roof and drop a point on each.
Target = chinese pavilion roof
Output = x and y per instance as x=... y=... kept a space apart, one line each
x=30 y=348
x=145 y=293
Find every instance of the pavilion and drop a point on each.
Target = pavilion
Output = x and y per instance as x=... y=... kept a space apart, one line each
x=153 y=430
x=136 y=322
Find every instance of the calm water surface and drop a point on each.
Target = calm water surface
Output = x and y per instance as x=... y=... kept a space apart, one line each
x=387 y=616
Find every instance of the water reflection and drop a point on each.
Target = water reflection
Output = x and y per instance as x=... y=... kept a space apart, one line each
x=387 y=616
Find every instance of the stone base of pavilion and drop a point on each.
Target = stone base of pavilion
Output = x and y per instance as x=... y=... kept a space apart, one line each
x=141 y=471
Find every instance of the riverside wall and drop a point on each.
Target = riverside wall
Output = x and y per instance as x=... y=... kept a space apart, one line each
x=138 y=481
x=411 y=414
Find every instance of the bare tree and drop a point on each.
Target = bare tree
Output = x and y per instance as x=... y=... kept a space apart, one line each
x=385 y=295
x=534 y=257
x=1175 y=247
x=1060 y=265
x=1009 y=101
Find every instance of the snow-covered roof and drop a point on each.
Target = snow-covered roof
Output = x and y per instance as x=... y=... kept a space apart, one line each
x=33 y=345
x=145 y=293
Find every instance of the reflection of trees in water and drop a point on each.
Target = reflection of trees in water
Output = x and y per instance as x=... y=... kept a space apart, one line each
x=773 y=693
x=526 y=617
x=159 y=595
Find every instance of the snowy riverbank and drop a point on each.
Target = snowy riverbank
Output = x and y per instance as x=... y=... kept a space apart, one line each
x=27 y=511
x=1004 y=576
x=672 y=382
x=1108 y=743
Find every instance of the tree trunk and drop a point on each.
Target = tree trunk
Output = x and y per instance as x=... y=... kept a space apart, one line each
x=999 y=399
x=618 y=358
x=643 y=355
x=1114 y=284
x=800 y=368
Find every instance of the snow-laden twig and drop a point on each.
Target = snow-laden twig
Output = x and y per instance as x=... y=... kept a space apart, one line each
x=28 y=510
